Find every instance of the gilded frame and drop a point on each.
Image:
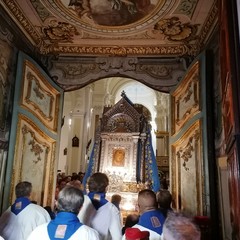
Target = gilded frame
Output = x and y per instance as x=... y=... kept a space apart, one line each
x=186 y=99
x=39 y=97
x=34 y=161
x=186 y=168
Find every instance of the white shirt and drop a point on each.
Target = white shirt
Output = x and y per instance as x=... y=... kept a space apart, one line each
x=84 y=232
x=18 y=227
x=153 y=235
x=106 y=220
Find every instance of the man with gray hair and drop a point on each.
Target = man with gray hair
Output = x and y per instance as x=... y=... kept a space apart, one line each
x=178 y=226
x=66 y=225
x=19 y=220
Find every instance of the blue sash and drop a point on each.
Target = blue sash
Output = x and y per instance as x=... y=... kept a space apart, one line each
x=98 y=199
x=19 y=205
x=63 y=226
x=152 y=220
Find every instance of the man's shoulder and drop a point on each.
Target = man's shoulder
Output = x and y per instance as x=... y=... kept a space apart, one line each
x=35 y=207
x=113 y=207
x=85 y=230
x=40 y=232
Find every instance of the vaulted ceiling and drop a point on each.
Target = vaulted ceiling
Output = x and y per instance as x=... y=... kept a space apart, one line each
x=81 y=33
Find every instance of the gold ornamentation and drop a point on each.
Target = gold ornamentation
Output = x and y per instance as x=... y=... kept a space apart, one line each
x=186 y=152
x=39 y=97
x=132 y=187
x=56 y=34
x=36 y=149
x=51 y=188
x=187 y=163
x=28 y=27
x=174 y=30
x=178 y=50
x=208 y=25
x=60 y=32
x=185 y=100
x=38 y=140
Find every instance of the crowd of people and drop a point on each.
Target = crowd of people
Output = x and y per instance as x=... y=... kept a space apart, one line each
x=90 y=216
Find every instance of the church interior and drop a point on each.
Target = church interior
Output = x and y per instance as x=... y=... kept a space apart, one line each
x=145 y=91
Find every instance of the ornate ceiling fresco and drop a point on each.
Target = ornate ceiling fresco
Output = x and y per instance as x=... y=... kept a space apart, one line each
x=115 y=27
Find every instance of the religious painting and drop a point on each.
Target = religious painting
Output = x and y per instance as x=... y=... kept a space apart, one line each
x=118 y=159
x=110 y=12
x=75 y=141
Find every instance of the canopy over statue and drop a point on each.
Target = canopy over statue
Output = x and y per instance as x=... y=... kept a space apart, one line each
x=123 y=148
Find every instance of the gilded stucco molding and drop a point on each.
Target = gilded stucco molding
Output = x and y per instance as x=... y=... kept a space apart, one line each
x=37 y=149
x=39 y=97
x=187 y=163
x=174 y=36
x=51 y=189
x=185 y=153
x=176 y=50
x=25 y=24
x=174 y=30
x=59 y=32
x=36 y=145
x=185 y=99
x=210 y=22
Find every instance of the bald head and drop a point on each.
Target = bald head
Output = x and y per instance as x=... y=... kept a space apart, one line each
x=146 y=200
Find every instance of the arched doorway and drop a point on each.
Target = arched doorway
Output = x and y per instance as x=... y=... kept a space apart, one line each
x=83 y=108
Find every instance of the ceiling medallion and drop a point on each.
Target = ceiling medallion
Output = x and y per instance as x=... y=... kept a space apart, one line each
x=115 y=16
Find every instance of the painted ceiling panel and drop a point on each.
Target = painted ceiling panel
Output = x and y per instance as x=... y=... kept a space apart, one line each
x=115 y=27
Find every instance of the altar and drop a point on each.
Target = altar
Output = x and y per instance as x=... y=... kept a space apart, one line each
x=123 y=151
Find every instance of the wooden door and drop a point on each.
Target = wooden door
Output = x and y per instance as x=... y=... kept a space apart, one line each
x=192 y=161
x=230 y=75
x=34 y=134
x=186 y=144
